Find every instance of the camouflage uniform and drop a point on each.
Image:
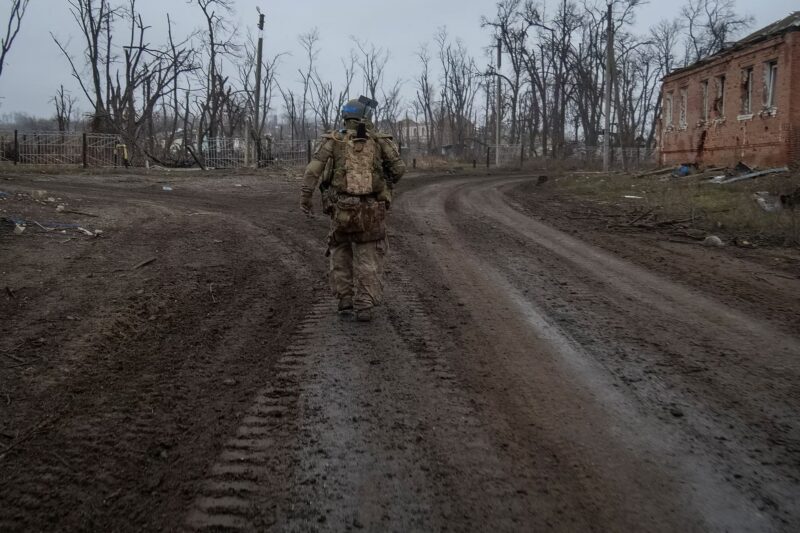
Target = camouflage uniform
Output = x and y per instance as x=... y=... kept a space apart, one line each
x=357 y=240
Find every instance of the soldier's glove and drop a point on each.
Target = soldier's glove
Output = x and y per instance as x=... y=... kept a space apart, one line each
x=306 y=204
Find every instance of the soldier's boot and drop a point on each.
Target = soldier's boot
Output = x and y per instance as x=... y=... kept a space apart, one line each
x=364 y=315
x=345 y=304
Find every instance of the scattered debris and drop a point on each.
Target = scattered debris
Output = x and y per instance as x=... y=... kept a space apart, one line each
x=43 y=227
x=10 y=293
x=724 y=180
x=631 y=197
x=771 y=203
x=144 y=263
x=4 y=194
x=230 y=382
x=657 y=172
x=18 y=229
x=74 y=212
x=166 y=188
x=684 y=170
x=713 y=240
x=95 y=233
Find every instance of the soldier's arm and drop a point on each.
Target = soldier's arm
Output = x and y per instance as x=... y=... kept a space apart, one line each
x=392 y=163
x=316 y=167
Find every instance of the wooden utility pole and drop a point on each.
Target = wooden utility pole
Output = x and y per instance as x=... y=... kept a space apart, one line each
x=609 y=81
x=257 y=118
x=499 y=103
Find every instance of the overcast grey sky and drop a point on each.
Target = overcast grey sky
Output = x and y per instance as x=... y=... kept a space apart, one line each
x=35 y=66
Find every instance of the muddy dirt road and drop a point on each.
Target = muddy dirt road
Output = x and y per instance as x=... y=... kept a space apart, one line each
x=529 y=370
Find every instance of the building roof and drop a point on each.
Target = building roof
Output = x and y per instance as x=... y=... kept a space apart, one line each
x=784 y=25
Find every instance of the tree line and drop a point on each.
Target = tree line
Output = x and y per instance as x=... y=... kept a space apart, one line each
x=163 y=98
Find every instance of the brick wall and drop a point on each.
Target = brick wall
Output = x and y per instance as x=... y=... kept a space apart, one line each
x=794 y=127
x=766 y=136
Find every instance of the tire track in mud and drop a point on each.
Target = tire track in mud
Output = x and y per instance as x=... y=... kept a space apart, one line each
x=249 y=463
x=598 y=424
x=121 y=429
x=374 y=431
x=684 y=351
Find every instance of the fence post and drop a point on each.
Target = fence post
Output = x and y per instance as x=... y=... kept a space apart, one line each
x=16 y=147
x=84 y=151
x=488 y=155
x=414 y=163
x=474 y=163
x=308 y=150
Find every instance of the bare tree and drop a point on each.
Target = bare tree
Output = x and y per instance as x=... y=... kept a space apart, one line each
x=424 y=93
x=326 y=101
x=18 y=8
x=391 y=103
x=511 y=25
x=372 y=62
x=308 y=41
x=127 y=83
x=219 y=41
x=94 y=21
x=459 y=86
x=63 y=102
x=268 y=82
x=710 y=24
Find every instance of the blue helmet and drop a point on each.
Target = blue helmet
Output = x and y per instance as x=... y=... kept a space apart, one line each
x=354 y=109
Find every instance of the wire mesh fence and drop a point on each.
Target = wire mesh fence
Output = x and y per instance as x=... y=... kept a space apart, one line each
x=621 y=158
x=7 y=147
x=510 y=155
x=478 y=155
x=60 y=148
x=226 y=152
x=237 y=152
x=104 y=150
x=286 y=153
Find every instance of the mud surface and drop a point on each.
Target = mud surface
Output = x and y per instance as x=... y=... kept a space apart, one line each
x=531 y=369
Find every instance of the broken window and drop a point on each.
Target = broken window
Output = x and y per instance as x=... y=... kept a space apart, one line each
x=684 y=104
x=770 y=80
x=719 y=101
x=704 y=100
x=668 y=109
x=747 y=91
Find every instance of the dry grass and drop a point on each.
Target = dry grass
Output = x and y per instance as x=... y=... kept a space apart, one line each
x=724 y=209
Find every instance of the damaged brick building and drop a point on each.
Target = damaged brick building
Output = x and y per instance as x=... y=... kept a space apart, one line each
x=741 y=104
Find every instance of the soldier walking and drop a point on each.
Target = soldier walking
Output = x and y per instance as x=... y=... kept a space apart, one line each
x=356 y=168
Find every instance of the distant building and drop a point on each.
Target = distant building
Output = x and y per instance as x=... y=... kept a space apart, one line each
x=741 y=104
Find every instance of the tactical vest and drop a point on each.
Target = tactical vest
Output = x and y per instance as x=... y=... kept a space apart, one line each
x=357 y=168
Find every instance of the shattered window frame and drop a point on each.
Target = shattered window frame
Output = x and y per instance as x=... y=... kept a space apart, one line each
x=747 y=91
x=770 y=80
x=668 y=108
x=719 y=102
x=683 y=115
x=704 y=100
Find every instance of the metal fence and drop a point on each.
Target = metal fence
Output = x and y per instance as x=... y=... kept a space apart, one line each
x=237 y=152
x=622 y=158
x=483 y=156
x=60 y=148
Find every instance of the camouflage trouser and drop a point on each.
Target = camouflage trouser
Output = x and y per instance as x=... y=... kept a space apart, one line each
x=356 y=269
